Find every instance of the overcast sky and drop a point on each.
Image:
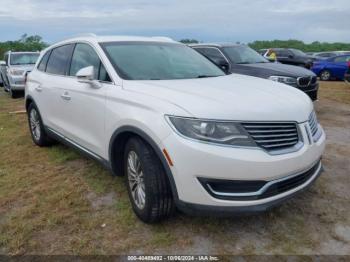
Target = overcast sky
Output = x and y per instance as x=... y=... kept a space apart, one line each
x=205 y=20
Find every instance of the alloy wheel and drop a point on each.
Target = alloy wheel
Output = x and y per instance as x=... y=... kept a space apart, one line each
x=136 y=180
x=35 y=124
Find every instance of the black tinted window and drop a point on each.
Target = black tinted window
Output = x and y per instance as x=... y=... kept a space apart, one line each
x=282 y=52
x=43 y=62
x=84 y=56
x=59 y=60
x=342 y=59
x=212 y=53
x=103 y=75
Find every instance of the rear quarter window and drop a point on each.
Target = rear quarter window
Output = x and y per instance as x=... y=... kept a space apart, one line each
x=43 y=62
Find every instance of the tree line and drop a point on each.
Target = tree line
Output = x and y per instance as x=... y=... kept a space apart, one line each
x=297 y=44
x=25 y=43
x=36 y=43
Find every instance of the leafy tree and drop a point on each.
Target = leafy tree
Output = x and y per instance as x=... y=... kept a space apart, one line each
x=189 y=41
x=315 y=46
x=25 y=43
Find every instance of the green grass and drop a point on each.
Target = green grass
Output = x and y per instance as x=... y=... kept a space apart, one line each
x=48 y=197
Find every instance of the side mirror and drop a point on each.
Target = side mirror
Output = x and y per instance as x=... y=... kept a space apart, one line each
x=2 y=63
x=290 y=56
x=224 y=65
x=86 y=75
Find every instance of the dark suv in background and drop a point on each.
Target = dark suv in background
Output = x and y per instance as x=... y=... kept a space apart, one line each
x=292 y=56
x=241 y=59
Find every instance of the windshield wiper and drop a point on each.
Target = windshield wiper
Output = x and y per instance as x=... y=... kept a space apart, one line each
x=205 y=76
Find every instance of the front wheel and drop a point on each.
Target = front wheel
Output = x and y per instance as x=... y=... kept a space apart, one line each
x=13 y=94
x=148 y=186
x=325 y=75
x=36 y=127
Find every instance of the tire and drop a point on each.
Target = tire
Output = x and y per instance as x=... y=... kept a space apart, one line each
x=36 y=127
x=325 y=75
x=13 y=94
x=145 y=175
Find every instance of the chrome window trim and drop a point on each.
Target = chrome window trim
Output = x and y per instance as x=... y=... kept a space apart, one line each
x=74 y=77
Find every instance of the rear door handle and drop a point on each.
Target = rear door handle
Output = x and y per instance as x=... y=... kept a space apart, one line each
x=66 y=96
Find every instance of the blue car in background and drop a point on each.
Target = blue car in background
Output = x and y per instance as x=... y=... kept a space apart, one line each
x=331 y=68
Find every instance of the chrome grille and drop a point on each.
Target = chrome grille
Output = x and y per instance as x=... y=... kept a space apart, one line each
x=273 y=136
x=304 y=81
x=313 y=80
x=313 y=123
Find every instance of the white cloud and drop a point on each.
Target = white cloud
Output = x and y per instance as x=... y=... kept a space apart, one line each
x=222 y=20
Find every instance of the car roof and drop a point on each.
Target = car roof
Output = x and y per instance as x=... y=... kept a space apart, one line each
x=23 y=52
x=117 y=38
x=214 y=44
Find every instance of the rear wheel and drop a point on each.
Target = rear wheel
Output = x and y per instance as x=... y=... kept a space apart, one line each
x=148 y=186
x=325 y=75
x=36 y=127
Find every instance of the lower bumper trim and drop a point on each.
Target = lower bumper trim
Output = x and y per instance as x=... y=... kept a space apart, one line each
x=209 y=210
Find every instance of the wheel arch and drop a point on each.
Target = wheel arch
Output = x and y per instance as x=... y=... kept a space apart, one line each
x=116 y=152
x=29 y=100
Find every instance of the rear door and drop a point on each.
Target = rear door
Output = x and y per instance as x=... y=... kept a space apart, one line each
x=339 y=66
x=51 y=82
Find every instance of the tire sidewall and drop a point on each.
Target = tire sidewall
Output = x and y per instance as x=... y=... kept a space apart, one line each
x=40 y=141
x=139 y=148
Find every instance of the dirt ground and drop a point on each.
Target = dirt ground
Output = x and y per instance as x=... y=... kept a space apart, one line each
x=54 y=201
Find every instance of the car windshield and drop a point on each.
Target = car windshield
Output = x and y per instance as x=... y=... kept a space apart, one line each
x=23 y=59
x=297 y=52
x=243 y=55
x=158 y=61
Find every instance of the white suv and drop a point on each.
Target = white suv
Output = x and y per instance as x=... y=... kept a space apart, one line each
x=183 y=133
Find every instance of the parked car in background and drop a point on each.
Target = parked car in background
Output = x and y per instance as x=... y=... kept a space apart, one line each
x=241 y=59
x=2 y=63
x=325 y=55
x=17 y=65
x=331 y=68
x=347 y=74
x=292 y=56
x=182 y=132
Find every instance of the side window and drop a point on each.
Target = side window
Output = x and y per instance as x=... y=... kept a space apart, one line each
x=43 y=62
x=83 y=56
x=103 y=75
x=282 y=53
x=341 y=59
x=59 y=60
x=6 y=59
x=212 y=53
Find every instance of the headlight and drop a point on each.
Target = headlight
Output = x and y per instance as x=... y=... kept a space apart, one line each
x=284 y=79
x=16 y=72
x=218 y=132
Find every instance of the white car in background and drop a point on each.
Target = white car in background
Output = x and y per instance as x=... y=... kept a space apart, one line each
x=182 y=132
x=13 y=73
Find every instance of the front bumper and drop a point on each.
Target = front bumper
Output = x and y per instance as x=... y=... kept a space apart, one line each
x=347 y=77
x=194 y=160
x=16 y=82
x=208 y=210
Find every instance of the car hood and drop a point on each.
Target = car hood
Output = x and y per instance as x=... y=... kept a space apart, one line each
x=232 y=97
x=23 y=67
x=266 y=70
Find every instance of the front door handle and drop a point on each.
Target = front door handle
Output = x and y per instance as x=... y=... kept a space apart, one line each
x=66 y=96
x=39 y=88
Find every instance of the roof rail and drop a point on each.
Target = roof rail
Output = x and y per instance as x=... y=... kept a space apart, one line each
x=86 y=34
x=164 y=38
